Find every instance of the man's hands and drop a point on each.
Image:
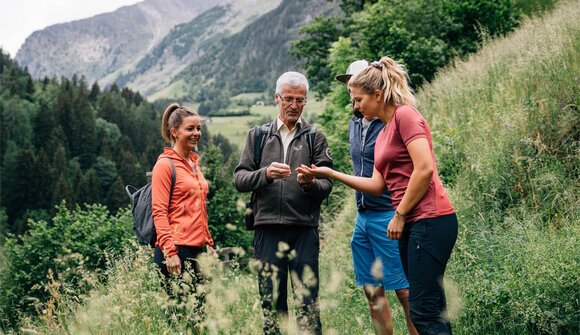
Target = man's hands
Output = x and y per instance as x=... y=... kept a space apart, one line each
x=304 y=179
x=278 y=171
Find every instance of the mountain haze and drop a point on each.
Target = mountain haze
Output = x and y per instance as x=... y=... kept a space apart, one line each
x=97 y=46
x=186 y=43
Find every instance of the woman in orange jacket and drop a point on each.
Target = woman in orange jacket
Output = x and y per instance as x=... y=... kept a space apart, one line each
x=180 y=218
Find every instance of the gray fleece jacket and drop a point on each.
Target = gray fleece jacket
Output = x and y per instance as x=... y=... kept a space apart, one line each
x=284 y=202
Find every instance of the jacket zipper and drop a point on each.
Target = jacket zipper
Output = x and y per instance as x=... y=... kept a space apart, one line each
x=285 y=160
x=202 y=196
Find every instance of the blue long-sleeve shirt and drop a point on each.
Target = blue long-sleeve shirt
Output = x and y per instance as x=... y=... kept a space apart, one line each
x=363 y=158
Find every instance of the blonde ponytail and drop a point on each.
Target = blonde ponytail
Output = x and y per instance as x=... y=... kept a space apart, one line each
x=388 y=76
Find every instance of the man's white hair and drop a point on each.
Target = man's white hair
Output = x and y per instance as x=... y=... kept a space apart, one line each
x=292 y=78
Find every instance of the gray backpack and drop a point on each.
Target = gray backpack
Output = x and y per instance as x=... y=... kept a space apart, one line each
x=142 y=210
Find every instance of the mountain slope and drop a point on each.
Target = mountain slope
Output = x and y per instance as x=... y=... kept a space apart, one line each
x=186 y=43
x=99 y=45
x=176 y=48
x=251 y=60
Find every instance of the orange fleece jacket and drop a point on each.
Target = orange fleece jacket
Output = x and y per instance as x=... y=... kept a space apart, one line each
x=185 y=221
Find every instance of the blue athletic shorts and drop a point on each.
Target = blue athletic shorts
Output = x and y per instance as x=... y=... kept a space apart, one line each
x=369 y=243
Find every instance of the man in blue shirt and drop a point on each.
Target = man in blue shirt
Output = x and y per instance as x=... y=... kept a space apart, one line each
x=377 y=264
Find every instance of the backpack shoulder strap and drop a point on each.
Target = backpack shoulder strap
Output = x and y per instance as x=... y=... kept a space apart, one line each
x=173 y=178
x=261 y=133
x=311 y=136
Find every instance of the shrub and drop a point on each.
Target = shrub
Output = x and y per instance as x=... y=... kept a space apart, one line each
x=75 y=241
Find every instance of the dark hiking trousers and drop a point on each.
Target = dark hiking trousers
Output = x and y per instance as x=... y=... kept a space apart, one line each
x=288 y=251
x=183 y=287
x=425 y=248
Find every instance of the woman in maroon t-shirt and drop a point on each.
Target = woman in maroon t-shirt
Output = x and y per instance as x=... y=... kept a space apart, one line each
x=424 y=222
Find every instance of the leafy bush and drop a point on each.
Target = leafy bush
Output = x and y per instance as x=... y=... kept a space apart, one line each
x=76 y=241
x=223 y=208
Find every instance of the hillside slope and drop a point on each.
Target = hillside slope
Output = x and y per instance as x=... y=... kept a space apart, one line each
x=97 y=46
x=186 y=43
x=506 y=127
x=251 y=60
x=142 y=46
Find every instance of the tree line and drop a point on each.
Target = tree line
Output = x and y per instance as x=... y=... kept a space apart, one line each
x=62 y=139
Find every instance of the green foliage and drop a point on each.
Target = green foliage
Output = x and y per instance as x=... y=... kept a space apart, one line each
x=506 y=131
x=224 y=211
x=64 y=130
x=251 y=60
x=518 y=281
x=423 y=35
x=313 y=51
x=510 y=141
x=76 y=239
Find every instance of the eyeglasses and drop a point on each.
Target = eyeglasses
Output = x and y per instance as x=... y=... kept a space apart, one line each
x=289 y=101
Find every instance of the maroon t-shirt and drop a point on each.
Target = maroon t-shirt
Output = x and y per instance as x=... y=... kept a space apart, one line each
x=394 y=163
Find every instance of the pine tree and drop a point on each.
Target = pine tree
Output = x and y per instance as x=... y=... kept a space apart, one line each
x=59 y=162
x=62 y=191
x=18 y=196
x=63 y=110
x=126 y=165
x=90 y=188
x=95 y=92
x=43 y=182
x=83 y=127
x=116 y=196
x=44 y=124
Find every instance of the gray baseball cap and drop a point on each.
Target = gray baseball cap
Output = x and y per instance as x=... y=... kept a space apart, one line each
x=354 y=68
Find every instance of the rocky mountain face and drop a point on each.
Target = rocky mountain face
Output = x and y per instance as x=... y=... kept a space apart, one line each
x=186 y=43
x=155 y=44
x=100 y=45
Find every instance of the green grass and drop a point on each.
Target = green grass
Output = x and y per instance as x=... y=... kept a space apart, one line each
x=507 y=121
x=248 y=96
x=234 y=128
x=173 y=91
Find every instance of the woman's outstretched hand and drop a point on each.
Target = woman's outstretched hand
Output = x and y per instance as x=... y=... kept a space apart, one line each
x=314 y=171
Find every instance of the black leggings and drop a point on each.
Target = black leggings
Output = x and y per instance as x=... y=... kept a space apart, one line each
x=425 y=248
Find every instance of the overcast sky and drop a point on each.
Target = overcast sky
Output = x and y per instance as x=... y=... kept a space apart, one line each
x=20 y=18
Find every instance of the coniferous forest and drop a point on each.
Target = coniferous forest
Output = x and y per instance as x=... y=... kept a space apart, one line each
x=67 y=140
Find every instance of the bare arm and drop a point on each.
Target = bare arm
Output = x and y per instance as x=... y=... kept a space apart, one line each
x=374 y=185
x=416 y=188
x=421 y=176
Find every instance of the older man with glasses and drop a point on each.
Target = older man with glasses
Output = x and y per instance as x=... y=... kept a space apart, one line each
x=287 y=206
